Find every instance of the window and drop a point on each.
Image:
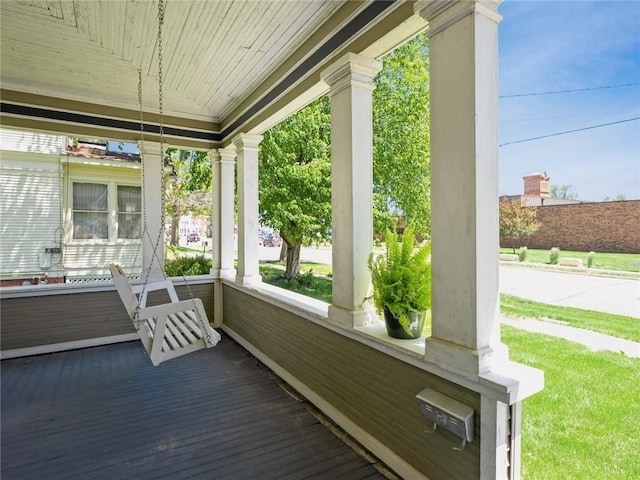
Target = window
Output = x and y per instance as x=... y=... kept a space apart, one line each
x=129 y=212
x=90 y=211
x=106 y=211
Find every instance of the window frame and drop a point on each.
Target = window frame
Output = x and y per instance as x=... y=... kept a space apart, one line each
x=75 y=211
x=118 y=212
x=112 y=212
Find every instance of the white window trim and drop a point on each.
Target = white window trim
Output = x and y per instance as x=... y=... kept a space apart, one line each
x=112 y=193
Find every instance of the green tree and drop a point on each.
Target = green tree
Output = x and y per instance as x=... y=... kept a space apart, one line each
x=295 y=189
x=187 y=186
x=565 y=192
x=295 y=180
x=401 y=148
x=617 y=198
x=517 y=222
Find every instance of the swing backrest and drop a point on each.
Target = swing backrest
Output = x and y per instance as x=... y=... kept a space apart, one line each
x=129 y=299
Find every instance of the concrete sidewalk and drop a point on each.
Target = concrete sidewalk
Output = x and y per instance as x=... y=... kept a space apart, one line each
x=593 y=340
x=615 y=295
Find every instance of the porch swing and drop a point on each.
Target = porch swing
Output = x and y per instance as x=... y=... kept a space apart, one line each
x=168 y=330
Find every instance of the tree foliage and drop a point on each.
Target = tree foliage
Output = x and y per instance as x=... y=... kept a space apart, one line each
x=517 y=222
x=295 y=179
x=188 y=187
x=618 y=198
x=565 y=192
x=295 y=168
x=401 y=148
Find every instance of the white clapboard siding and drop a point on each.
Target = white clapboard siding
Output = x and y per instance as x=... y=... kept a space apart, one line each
x=94 y=260
x=35 y=142
x=33 y=180
x=30 y=209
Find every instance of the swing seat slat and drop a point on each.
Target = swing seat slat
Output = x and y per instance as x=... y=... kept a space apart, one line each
x=168 y=330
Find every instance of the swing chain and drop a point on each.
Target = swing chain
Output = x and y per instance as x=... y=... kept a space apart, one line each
x=161 y=11
x=205 y=331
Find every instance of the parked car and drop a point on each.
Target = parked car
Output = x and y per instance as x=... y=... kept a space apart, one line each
x=272 y=240
x=193 y=237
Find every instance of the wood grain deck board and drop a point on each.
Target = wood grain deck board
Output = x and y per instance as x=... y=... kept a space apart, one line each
x=107 y=413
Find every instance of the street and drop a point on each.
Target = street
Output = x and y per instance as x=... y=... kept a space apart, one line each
x=604 y=294
x=616 y=295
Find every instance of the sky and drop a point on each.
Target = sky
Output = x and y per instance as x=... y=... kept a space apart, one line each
x=547 y=46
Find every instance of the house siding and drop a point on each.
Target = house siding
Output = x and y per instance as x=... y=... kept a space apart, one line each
x=36 y=211
x=374 y=390
x=32 y=142
x=91 y=258
x=30 y=186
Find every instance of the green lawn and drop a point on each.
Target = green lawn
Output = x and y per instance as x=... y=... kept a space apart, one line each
x=318 y=287
x=629 y=262
x=585 y=423
x=609 y=324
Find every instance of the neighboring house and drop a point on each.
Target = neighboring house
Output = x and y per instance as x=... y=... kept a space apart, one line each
x=67 y=211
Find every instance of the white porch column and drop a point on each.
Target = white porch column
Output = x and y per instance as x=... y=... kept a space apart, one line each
x=350 y=81
x=247 y=151
x=152 y=188
x=223 y=162
x=463 y=47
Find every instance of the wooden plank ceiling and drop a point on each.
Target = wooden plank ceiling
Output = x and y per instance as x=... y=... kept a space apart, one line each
x=214 y=52
x=71 y=66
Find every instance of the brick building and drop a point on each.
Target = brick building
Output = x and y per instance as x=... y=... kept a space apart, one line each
x=579 y=225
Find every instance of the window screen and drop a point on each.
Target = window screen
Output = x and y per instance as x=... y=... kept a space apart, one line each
x=129 y=212
x=90 y=211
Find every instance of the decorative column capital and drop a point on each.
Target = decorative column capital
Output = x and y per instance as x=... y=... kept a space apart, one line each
x=443 y=13
x=351 y=70
x=247 y=141
x=149 y=148
x=227 y=154
x=213 y=154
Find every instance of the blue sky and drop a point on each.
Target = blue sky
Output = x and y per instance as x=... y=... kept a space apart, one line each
x=566 y=45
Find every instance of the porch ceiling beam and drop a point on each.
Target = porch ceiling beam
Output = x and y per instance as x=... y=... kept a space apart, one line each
x=56 y=115
x=377 y=30
x=374 y=27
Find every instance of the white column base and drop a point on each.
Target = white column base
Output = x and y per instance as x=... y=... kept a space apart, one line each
x=227 y=273
x=155 y=275
x=248 y=279
x=464 y=361
x=351 y=318
x=218 y=305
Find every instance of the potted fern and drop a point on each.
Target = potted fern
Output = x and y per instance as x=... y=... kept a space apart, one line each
x=401 y=279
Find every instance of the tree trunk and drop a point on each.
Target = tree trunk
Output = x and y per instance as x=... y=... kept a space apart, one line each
x=175 y=225
x=293 y=261
x=283 y=252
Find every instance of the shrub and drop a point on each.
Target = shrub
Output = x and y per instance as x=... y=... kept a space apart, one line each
x=307 y=279
x=187 y=266
x=554 y=256
x=591 y=256
x=522 y=254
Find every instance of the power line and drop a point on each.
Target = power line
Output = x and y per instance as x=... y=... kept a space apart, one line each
x=568 y=91
x=570 y=131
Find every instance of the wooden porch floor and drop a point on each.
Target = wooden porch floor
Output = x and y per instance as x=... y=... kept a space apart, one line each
x=107 y=413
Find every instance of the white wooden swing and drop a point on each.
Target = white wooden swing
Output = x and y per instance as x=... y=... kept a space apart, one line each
x=172 y=329
x=168 y=330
